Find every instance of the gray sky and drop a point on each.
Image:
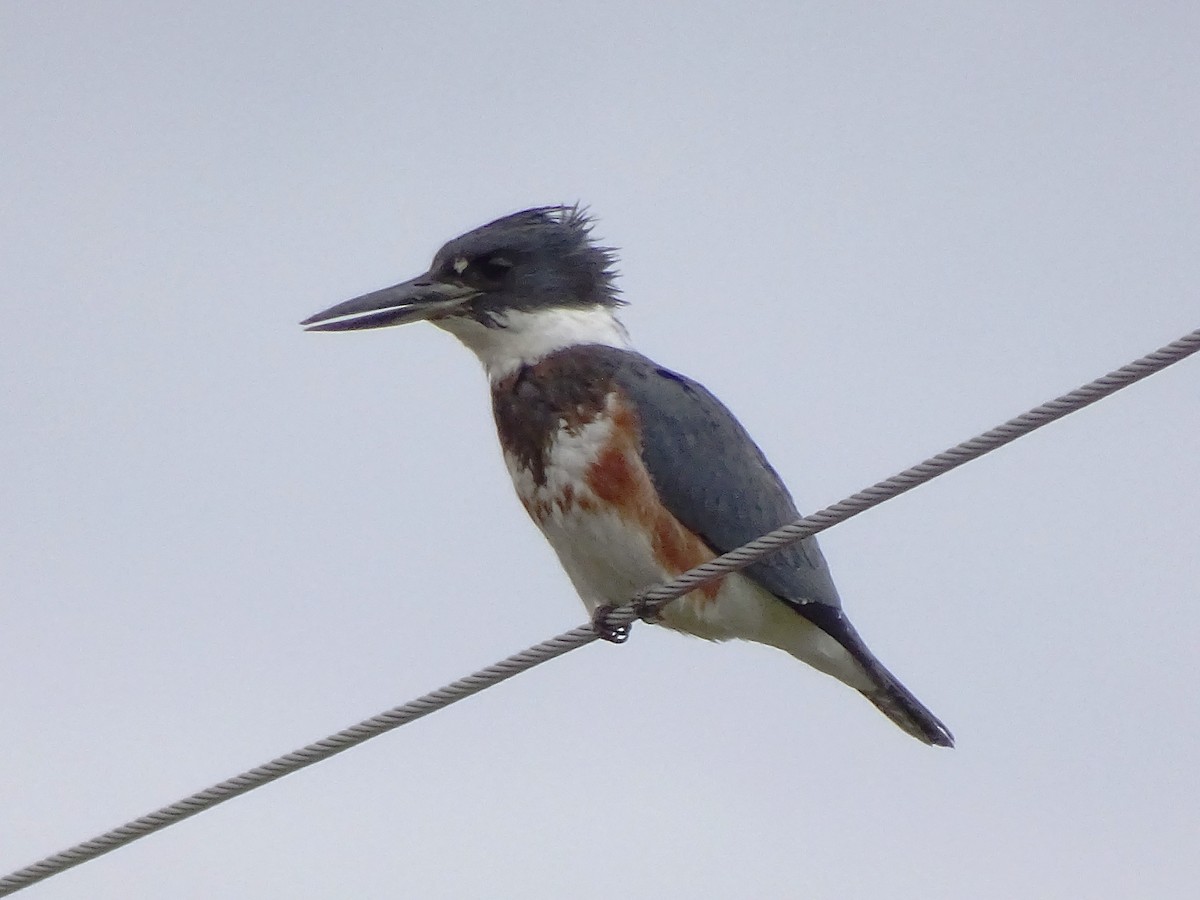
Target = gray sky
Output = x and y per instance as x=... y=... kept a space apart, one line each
x=873 y=229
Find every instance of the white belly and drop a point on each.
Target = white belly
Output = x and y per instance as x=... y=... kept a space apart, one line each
x=609 y=561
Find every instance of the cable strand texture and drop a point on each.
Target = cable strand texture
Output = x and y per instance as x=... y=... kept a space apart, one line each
x=645 y=605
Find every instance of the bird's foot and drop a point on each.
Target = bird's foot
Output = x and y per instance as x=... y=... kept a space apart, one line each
x=619 y=634
x=647 y=611
x=616 y=634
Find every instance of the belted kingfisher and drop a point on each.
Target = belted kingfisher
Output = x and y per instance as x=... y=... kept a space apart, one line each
x=634 y=473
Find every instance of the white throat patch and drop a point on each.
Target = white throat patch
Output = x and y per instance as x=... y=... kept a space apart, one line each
x=522 y=338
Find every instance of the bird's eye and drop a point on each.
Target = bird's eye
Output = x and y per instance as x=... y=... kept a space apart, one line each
x=493 y=268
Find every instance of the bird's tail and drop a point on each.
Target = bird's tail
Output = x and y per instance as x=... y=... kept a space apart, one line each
x=890 y=697
x=897 y=702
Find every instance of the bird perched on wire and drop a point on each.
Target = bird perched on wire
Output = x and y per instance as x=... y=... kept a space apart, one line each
x=634 y=473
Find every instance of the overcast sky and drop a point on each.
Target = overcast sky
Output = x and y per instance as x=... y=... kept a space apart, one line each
x=873 y=229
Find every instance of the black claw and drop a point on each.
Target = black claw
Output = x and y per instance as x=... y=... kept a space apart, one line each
x=647 y=611
x=616 y=634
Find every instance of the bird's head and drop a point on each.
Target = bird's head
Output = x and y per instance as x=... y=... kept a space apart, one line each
x=537 y=260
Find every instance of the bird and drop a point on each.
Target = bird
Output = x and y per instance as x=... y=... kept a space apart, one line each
x=633 y=472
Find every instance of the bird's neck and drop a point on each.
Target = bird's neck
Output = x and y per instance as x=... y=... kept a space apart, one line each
x=520 y=338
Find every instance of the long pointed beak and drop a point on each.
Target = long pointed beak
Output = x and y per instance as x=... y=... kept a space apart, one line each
x=411 y=301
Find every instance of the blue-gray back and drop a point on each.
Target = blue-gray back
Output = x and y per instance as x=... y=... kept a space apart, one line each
x=714 y=478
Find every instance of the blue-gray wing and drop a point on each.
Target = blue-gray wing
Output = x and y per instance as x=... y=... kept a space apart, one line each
x=715 y=480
